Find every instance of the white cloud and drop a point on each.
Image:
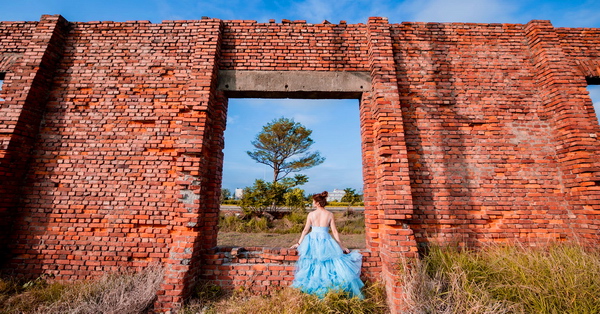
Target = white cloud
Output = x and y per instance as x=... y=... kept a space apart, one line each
x=232 y=119
x=307 y=120
x=475 y=11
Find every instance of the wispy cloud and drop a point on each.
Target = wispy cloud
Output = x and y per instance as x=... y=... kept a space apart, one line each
x=314 y=10
x=232 y=119
x=586 y=15
x=475 y=11
x=307 y=120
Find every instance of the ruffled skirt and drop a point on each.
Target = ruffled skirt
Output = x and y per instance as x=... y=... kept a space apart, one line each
x=323 y=267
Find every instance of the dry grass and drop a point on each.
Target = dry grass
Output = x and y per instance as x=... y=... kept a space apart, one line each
x=559 y=278
x=123 y=292
x=292 y=301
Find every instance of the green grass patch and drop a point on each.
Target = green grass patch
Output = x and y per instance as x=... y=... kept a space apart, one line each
x=558 y=278
x=347 y=223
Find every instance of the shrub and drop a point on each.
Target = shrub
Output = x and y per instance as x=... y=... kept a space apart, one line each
x=229 y=223
x=292 y=223
x=230 y=202
x=256 y=224
x=233 y=223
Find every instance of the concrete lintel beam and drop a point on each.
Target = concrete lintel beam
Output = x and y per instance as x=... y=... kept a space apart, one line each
x=294 y=84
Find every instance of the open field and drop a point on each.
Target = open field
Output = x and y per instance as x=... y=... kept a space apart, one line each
x=273 y=240
x=236 y=208
x=284 y=232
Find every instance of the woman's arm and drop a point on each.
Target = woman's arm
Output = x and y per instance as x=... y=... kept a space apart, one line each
x=304 y=231
x=336 y=235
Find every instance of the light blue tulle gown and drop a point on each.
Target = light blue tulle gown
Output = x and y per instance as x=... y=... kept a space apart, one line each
x=322 y=266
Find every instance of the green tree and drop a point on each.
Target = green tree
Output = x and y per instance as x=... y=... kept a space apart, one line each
x=295 y=199
x=270 y=196
x=350 y=196
x=258 y=198
x=284 y=146
x=225 y=195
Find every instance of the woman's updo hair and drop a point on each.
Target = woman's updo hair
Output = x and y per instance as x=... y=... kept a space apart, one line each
x=321 y=198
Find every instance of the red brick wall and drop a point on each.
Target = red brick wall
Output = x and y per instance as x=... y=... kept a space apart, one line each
x=260 y=270
x=293 y=46
x=112 y=136
x=15 y=37
x=30 y=62
x=482 y=166
x=122 y=174
x=574 y=129
x=579 y=45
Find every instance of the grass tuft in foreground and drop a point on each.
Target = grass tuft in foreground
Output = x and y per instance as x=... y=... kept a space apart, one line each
x=287 y=301
x=558 y=278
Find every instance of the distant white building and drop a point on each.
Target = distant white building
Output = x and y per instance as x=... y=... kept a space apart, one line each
x=238 y=194
x=336 y=195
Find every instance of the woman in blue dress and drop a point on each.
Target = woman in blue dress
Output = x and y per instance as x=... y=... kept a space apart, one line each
x=324 y=264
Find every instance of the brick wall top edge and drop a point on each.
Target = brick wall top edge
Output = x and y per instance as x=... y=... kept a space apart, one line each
x=146 y=23
x=263 y=24
x=286 y=22
x=578 y=31
x=441 y=26
x=294 y=23
x=17 y=23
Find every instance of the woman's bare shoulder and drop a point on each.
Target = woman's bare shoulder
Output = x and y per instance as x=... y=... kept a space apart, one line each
x=330 y=216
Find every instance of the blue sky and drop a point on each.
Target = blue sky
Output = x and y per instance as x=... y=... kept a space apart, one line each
x=336 y=132
x=334 y=123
